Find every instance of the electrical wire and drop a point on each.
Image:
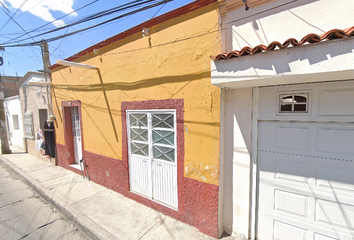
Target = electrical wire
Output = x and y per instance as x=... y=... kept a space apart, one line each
x=18 y=9
x=54 y=20
x=94 y=26
x=159 y=10
x=8 y=14
x=60 y=42
x=91 y=17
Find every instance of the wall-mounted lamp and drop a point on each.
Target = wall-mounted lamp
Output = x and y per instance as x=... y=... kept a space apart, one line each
x=39 y=94
x=246 y=6
x=146 y=32
x=96 y=51
x=69 y=104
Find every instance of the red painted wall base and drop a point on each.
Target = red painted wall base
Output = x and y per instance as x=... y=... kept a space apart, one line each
x=198 y=202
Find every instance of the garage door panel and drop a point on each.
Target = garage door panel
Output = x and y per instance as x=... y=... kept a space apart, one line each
x=336 y=177
x=289 y=199
x=267 y=193
x=284 y=231
x=322 y=237
x=334 y=213
x=291 y=203
x=267 y=166
x=335 y=139
x=292 y=169
x=293 y=136
x=336 y=102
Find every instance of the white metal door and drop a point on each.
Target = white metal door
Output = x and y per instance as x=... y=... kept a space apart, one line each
x=306 y=163
x=75 y=121
x=152 y=155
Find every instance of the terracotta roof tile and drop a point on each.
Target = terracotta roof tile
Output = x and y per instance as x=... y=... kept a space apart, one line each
x=309 y=38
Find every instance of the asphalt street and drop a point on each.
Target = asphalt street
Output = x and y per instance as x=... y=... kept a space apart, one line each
x=24 y=215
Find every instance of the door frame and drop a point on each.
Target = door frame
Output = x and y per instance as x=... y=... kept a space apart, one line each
x=253 y=219
x=171 y=104
x=68 y=134
x=150 y=149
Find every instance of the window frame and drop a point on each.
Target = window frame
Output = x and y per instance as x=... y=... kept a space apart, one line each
x=15 y=122
x=306 y=93
x=28 y=125
x=150 y=129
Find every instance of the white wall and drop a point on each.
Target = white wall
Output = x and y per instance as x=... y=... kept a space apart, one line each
x=325 y=61
x=13 y=107
x=236 y=142
x=283 y=19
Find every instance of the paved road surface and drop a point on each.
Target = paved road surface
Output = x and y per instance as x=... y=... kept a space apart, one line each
x=23 y=215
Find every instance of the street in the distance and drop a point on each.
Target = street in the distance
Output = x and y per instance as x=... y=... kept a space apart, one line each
x=24 y=215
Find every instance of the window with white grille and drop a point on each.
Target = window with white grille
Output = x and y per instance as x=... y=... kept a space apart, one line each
x=153 y=134
x=28 y=125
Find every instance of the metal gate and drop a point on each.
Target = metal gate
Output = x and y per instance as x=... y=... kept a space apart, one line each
x=152 y=155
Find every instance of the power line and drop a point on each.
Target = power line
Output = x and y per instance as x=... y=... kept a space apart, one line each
x=159 y=10
x=94 y=26
x=90 y=17
x=18 y=9
x=8 y=14
x=53 y=20
x=60 y=42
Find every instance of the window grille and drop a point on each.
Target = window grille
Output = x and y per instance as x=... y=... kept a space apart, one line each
x=28 y=120
x=289 y=103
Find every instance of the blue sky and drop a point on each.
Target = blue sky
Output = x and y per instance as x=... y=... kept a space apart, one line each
x=31 y=14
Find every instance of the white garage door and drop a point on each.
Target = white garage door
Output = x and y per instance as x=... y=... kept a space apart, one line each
x=306 y=162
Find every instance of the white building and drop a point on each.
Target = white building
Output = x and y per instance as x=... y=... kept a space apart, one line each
x=287 y=119
x=14 y=121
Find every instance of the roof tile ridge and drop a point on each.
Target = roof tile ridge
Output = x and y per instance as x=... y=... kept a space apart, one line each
x=259 y=48
x=310 y=38
x=273 y=45
x=235 y=53
x=349 y=31
x=245 y=51
x=290 y=41
x=333 y=34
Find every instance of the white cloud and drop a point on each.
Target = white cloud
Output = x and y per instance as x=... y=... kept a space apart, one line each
x=43 y=8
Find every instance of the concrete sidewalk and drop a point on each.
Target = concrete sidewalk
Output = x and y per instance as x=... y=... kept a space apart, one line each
x=97 y=211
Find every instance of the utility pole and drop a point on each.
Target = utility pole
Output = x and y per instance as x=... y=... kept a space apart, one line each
x=46 y=64
x=5 y=147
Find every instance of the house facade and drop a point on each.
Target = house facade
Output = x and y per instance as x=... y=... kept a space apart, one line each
x=139 y=110
x=34 y=107
x=287 y=90
x=14 y=121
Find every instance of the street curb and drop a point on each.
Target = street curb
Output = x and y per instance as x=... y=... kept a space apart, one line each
x=81 y=221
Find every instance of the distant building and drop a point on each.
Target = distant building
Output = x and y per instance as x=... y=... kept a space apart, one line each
x=14 y=121
x=9 y=85
x=35 y=110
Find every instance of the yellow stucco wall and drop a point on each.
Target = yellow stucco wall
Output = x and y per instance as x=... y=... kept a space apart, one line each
x=171 y=71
